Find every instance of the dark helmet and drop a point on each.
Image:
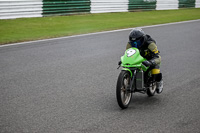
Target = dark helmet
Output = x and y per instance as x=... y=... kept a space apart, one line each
x=136 y=37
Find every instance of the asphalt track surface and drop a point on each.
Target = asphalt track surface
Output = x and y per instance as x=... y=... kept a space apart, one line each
x=68 y=85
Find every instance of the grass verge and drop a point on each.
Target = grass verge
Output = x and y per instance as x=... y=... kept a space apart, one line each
x=26 y=29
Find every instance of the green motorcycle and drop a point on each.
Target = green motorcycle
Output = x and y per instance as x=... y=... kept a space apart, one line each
x=131 y=78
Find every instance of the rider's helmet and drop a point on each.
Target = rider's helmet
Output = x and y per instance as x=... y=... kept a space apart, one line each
x=136 y=37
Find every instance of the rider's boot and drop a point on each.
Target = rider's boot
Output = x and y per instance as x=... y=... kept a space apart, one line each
x=159 y=87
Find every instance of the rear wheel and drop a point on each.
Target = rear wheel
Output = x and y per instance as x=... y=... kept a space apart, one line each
x=152 y=89
x=123 y=96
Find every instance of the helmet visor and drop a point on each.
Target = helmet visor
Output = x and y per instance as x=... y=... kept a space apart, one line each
x=137 y=43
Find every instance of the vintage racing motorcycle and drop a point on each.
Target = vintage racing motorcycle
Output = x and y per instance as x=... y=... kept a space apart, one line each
x=131 y=78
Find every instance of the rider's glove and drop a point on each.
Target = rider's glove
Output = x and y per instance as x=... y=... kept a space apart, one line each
x=119 y=63
x=148 y=63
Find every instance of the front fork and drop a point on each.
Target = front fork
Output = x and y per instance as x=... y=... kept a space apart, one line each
x=130 y=88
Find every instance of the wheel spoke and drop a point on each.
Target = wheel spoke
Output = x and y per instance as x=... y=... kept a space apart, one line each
x=125 y=96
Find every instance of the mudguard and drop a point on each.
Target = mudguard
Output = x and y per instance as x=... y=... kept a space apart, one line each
x=126 y=69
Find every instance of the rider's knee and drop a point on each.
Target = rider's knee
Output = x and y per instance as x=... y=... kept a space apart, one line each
x=156 y=74
x=155 y=71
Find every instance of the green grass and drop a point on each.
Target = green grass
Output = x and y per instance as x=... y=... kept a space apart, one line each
x=26 y=29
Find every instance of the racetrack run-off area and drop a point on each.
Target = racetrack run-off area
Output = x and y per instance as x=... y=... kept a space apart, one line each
x=67 y=85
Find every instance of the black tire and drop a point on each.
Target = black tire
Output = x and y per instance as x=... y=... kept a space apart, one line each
x=123 y=96
x=152 y=89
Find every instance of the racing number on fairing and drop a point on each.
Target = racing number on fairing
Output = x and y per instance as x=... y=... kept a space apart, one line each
x=130 y=52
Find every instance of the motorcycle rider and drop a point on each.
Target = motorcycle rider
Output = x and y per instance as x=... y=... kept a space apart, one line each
x=148 y=49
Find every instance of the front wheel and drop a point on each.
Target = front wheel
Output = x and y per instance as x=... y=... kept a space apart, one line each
x=123 y=96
